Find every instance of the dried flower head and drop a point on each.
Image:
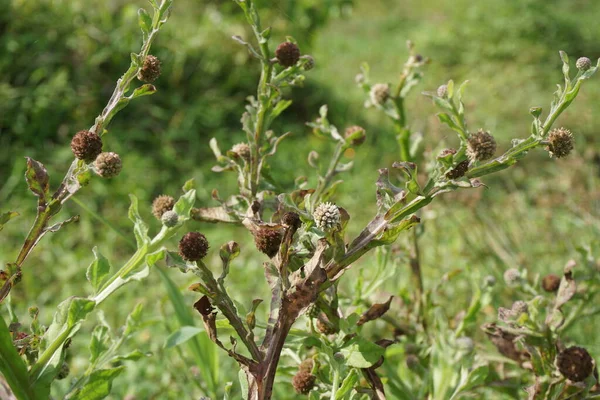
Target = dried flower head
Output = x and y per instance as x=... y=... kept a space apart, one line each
x=459 y=171
x=242 y=150
x=551 y=282
x=292 y=219
x=268 y=241
x=583 y=63
x=327 y=216
x=442 y=91
x=560 y=142
x=306 y=365
x=86 y=145
x=481 y=146
x=169 y=219
x=512 y=277
x=519 y=307
x=356 y=134
x=287 y=54
x=161 y=205
x=108 y=165
x=575 y=363
x=380 y=93
x=303 y=382
x=193 y=246
x=150 y=70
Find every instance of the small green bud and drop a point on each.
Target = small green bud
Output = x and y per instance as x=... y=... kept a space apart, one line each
x=583 y=64
x=535 y=111
x=356 y=134
x=442 y=91
x=169 y=219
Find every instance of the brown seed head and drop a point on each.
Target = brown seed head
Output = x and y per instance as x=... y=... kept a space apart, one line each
x=287 y=54
x=459 y=171
x=303 y=382
x=86 y=145
x=560 y=142
x=306 y=365
x=268 y=241
x=108 y=165
x=161 y=205
x=481 y=146
x=193 y=246
x=357 y=133
x=292 y=219
x=380 y=93
x=150 y=70
x=242 y=150
x=551 y=282
x=575 y=363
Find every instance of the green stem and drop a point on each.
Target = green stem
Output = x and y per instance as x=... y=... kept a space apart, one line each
x=336 y=381
x=331 y=172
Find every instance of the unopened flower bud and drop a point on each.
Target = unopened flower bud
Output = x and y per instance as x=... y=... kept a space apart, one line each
x=583 y=63
x=551 y=282
x=169 y=219
x=512 y=277
x=161 y=205
x=575 y=363
x=287 y=54
x=108 y=165
x=309 y=62
x=442 y=91
x=560 y=142
x=327 y=216
x=303 y=382
x=481 y=146
x=86 y=145
x=193 y=246
x=150 y=70
x=242 y=150
x=268 y=241
x=519 y=307
x=356 y=134
x=380 y=93
x=489 y=281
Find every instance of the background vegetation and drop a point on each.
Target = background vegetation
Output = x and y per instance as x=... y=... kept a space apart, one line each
x=58 y=64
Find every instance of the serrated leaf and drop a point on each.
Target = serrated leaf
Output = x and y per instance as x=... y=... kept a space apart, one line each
x=361 y=353
x=134 y=320
x=140 y=229
x=7 y=216
x=99 y=342
x=98 y=271
x=99 y=384
x=182 y=335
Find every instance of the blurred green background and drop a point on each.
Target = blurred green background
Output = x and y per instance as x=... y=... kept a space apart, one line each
x=59 y=61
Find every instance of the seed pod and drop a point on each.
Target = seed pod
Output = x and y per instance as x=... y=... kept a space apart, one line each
x=442 y=91
x=268 y=241
x=242 y=150
x=356 y=133
x=169 y=219
x=193 y=246
x=583 y=63
x=150 y=70
x=108 y=165
x=575 y=363
x=560 y=142
x=551 y=282
x=327 y=216
x=459 y=171
x=380 y=93
x=303 y=382
x=86 y=145
x=161 y=205
x=481 y=146
x=287 y=54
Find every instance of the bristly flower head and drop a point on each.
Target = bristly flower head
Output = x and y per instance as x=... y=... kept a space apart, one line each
x=108 y=165
x=575 y=363
x=583 y=63
x=161 y=205
x=380 y=93
x=193 y=246
x=287 y=54
x=169 y=219
x=327 y=216
x=242 y=150
x=150 y=70
x=268 y=241
x=481 y=146
x=292 y=219
x=86 y=145
x=512 y=277
x=442 y=91
x=357 y=133
x=560 y=142
x=551 y=282
x=303 y=382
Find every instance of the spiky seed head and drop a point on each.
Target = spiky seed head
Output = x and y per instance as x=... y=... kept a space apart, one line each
x=86 y=145
x=583 y=63
x=560 y=142
x=512 y=277
x=380 y=93
x=309 y=62
x=356 y=133
x=108 y=165
x=306 y=365
x=287 y=54
x=303 y=382
x=551 y=282
x=242 y=150
x=193 y=246
x=459 y=171
x=327 y=216
x=161 y=205
x=575 y=363
x=519 y=307
x=268 y=241
x=169 y=219
x=150 y=70
x=481 y=146
x=292 y=219
x=442 y=91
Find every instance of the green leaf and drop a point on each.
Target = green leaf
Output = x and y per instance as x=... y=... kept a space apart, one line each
x=188 y=185
x=144 y=90
x=280 y=107
x=12 y=366
x=184 y=204
x=182 y=335
x=99 y=384
x=99 y=342
x=133 y=356
x=347 y=385
x=361 y=353
x=243 y=384
x=144 y=21
x=134 y=320
x=140 y=229
x=37 y=179
x=7 y=216
x=98 y=271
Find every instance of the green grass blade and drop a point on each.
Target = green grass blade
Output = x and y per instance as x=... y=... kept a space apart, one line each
x=12 y=366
